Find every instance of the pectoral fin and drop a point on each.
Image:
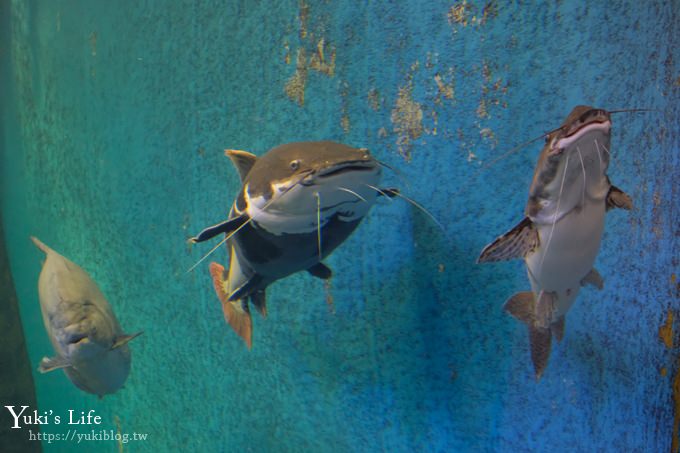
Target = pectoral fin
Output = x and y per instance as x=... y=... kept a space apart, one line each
x=226 y=227
x=48 y=364
x=617 y=198
x=516 y=243
x=320 y=270
x=236 y=313
x=124 y=339
x=593 y=278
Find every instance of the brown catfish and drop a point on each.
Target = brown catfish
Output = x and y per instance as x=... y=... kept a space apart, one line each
x=559 y=238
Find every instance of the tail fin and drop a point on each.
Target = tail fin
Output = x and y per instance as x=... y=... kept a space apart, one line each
x=38 y=243
x=236 y=313
x=522 y=306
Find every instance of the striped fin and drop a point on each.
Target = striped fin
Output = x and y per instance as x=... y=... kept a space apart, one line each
x=617 y=198
x=516 y=243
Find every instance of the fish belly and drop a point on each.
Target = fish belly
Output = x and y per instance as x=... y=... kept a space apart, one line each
x=102 y=373
x=566 y=254
x=72 y=304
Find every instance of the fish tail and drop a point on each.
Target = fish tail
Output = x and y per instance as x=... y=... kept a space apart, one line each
x=522 y=306
x=38 y=243
x=236 y=313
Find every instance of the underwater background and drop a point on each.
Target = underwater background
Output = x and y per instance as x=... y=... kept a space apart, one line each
x=115 y=116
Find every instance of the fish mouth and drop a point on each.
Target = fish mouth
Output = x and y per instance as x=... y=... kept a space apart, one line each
x=593 y=120
x=75 y=339
x=346 y=167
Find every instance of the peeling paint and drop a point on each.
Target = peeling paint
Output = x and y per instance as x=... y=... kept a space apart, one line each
x=318 y=61
x=464 y=14
x=303 y=15
x=322 y=58
x=445 y=89
x=407 y=118
x=374 y=99
x=344 y=120
x=295 y=87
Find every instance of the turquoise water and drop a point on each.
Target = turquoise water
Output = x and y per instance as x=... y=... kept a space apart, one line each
x=115 y=118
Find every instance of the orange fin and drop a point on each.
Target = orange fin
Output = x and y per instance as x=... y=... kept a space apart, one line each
x=539 y=343
x=236 y=313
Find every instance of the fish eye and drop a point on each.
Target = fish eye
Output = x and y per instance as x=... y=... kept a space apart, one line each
x=294 y=164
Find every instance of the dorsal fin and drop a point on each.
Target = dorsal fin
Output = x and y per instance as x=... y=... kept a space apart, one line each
x=242 y=160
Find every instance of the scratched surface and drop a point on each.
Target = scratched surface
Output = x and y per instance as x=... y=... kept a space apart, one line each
x=114 y=126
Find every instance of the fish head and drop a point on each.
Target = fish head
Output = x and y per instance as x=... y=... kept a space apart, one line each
x=572 y=166
x=299 y=179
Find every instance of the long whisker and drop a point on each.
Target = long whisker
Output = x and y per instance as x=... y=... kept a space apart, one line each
x=399 y=174
x=345 y=189
x=583 y=193
x=318 y=222
x=599 y=155
x=517 y=148
x=633 y=110
x=230 y=235
x=557 y=209
x=381 y=192
x=414 y=203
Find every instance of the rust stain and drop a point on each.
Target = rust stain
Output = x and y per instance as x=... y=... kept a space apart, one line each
x=663 y=371
x=676 y=412
x=666 y=331
x=295 y=87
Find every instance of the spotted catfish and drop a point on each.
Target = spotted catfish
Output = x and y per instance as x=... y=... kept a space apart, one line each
x=559 y=238
x=298 y=202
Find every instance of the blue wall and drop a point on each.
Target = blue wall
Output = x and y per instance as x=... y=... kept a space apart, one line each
x=116 y=116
